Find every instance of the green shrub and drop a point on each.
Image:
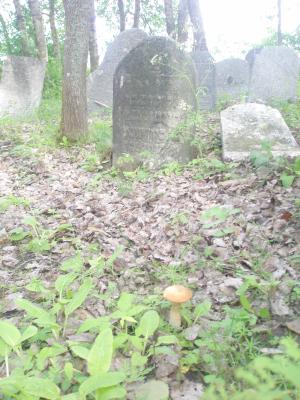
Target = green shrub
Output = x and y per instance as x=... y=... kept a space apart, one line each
x=265 y=378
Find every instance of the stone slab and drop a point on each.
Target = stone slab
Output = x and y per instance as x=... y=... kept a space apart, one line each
x=154 y=92
x=274 y=74
x=21 y=85
x=246 y=126
x=100 y=82
x=232 y=78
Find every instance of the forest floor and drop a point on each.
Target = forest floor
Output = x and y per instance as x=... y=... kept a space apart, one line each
x=229 y=232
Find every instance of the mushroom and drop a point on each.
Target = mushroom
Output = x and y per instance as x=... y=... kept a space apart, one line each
x=177 y=295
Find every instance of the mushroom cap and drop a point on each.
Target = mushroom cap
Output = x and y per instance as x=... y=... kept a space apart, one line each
x=177 y=294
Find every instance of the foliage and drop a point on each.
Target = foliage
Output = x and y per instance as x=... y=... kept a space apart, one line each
x=270 y=378
x=130 y=329
x=130 y=326
x=53 y=78
x=291 y=114
x=151 y=17
x=288 y=39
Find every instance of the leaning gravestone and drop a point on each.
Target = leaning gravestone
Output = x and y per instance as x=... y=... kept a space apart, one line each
x=274 y=74
x=232 y=78
x=21 y=85
x=100 y=82
x=245 y=127
x=205 y=69
x=154 y=92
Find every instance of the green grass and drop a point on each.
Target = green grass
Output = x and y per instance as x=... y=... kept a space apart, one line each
x=41 y=131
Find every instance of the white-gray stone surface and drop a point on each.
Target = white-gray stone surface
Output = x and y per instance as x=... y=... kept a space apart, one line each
x=232 y=78
x=154 y=91
x=21 y=85
x=246 y=126
x=100 y=82
x=274 y=74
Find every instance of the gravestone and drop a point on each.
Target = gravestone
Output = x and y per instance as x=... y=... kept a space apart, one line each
x=232 y=78
x=250 y=56
x=205 y=69
x=245 y=127
x=100 y=82
x=154 y=92
x=21 y=85
x=274 y=74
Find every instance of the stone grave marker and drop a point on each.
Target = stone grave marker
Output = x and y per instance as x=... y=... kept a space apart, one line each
x=274 y=74
x=205 y=69
x=154 y=92
x=100 y=82
x=246 y=126
x=232 y=78
x=21 y=85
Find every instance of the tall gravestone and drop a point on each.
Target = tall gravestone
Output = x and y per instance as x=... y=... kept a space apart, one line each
x=154 y=92
x=232 y=78
x=21 y=85
x=274 y=74
x=100 y=82
x=245 y=127
x=206 y=85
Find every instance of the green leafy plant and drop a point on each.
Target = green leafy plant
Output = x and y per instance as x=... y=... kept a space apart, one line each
x=291 y=172
x=217 y=215
x=7 y=201
x=41 y=239
x=270 y=378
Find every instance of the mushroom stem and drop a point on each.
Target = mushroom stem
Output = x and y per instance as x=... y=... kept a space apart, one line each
x=175 y=317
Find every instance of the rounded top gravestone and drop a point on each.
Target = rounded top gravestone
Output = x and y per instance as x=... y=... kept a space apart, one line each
x=100 y=82
x=154 y=94
x=274 y=74
x=232 y=78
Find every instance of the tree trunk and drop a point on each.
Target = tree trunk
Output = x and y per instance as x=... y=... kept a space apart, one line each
x=182 y=21
x=22 y=28
x=122 y=15
x=54 y=35
x=93 y=45
x=170 y=22
x=137 y=11
x=37 y=19
x=198 y=29
x=5 y=34
x=279 y=32
x=74 y=97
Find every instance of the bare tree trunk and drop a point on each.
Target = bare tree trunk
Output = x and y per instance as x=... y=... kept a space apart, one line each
x=93 y=45
x=198 y=29
x=74 y=98
x=182 y=21
x=279 y=31
x=122 y=15
x=137 y=11
x=22 y=28
x=170 y=22
x=37 y=19
x=5 y=34
x=54 y=35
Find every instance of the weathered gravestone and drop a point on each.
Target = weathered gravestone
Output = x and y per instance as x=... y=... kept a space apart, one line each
x=206 y=85
x=100 y=82
x=245 y=127
x=274 y=74
x=21 y=85
x=154 y=92
x=232 y=78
